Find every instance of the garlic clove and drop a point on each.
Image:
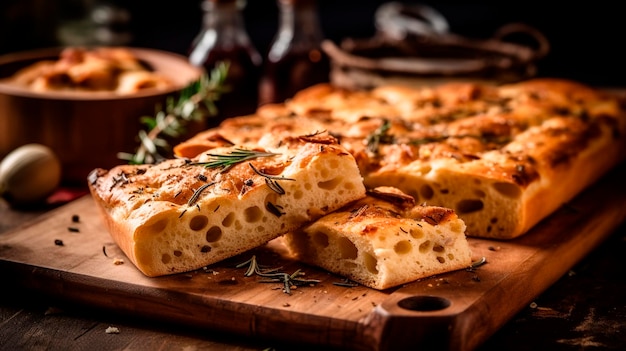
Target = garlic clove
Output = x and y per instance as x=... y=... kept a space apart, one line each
x=29 y=174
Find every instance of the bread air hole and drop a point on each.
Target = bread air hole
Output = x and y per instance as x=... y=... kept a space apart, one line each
x=402 y=247
x=213 y=234
x=253 y=214
x=157 y=226
x=469 y=205
x=347 y=249
x=323 y=172
x=507 y=189
x=330 y=184
x=198 y=222
x=425 y=246
x=438 y=248
x=441 y=259
x=165 y=258
x=370 y=263
x=178 y=253
x=417 y=233
x=456 y=227
x=228 y=220
x=320 y=239
x=298 y=194
x=427 y=192
x=332 y=164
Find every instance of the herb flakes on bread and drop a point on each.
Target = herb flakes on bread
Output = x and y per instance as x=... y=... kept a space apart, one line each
x=502 y=157
x=384 y=240
x=183 y=214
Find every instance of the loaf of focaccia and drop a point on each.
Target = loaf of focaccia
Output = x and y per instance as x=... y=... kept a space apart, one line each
x=99 y=69
x=384 y=240
x=502 y=157
x=183 y=214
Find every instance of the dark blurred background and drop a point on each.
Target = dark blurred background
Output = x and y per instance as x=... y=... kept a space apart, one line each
x=586 y=38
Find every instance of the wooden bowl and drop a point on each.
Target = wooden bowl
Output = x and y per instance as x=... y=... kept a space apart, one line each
x=86 y=130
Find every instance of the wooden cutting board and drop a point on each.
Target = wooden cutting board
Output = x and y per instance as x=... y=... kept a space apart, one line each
x=453 y=311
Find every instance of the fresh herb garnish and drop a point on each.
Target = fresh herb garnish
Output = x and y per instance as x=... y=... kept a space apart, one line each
x=379 y=136
x=475 y=264
x=194 y=103
x=196 y=194
x=289 y=280
x=255 y=268
x=346 y=284
x=226 y=161
x=276 y=210
x=273 y=276
x=272 y=181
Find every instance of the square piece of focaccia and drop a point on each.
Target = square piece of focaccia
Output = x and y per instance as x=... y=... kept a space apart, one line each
x=384 y=240
x=502 y=157
x=183 y=214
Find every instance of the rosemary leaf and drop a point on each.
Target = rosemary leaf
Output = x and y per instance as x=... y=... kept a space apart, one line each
x=226 y=161
x=274 y=276
x=271 y=181
x=379 y=136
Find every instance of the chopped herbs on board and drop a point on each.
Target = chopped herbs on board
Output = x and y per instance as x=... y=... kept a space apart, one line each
x=273 y=275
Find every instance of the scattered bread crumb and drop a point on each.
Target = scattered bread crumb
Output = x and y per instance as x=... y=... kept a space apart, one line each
x=112 y=330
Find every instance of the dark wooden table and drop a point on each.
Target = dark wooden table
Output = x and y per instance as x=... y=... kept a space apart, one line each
x=584 y=310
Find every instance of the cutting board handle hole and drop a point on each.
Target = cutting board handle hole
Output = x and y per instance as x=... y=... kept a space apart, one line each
x=424 y=303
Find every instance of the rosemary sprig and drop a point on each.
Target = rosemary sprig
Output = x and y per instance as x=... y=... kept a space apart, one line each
x=196 y=194
x=226 y=161
x=255 y=268
x=289 y=280
x=379 y=136
x=274 y=276
x=271 y=181
x=194 y=103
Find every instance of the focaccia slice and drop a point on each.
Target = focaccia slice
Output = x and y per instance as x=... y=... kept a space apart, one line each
x=384 y=240
x=184 y=214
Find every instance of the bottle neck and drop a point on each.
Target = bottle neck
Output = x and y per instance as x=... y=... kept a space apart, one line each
x=223 y=30
x=299 y=27
x=226 y=20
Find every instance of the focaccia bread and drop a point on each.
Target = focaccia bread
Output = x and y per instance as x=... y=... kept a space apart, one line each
x=384 y=240
x=183 y=214
x=99 y=69
x=502 y=157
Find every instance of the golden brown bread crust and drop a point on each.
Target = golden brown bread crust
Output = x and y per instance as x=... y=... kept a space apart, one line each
x=503 y=157
x=183 y=214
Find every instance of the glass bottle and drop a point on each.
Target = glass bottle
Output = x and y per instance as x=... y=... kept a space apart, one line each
x=224 y=39
x=295 y=59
